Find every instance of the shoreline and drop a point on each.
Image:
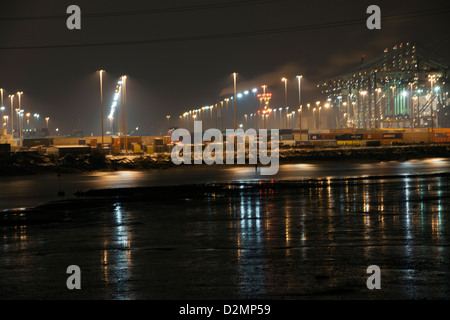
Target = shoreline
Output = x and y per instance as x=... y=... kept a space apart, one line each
x=32 y=164
x=188 y=192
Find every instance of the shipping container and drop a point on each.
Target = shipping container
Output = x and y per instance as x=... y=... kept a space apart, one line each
x=136 y=147
x=345 y=136
x=371 y=143
x=37 y=142
x=285 y=132
x=328 y=136
x=440 y=134
x=373 y=136
x=318 y=131
x=313 y=137
x=440 y=140
x=416 y=137
x=393 y=135
x=356 y=137
x=167 y=139
x=286 y=137
x=349 y=142
x=342 y=131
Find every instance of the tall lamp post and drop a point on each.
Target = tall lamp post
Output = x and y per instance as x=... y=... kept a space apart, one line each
x=411 y=106
x=1 y=106
x=432 y=80
x=285 y=98
x=124 y=100
x=299 y=106
x=101 y=100
x=11 y=96
x=19 y=94
x=235 y=98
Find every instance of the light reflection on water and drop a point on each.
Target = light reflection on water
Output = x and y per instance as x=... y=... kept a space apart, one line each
x=116 y=259
x=263 y=243
x=28 y=191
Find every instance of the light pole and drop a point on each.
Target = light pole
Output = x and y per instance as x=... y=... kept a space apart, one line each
x=3 y=110
x=285 y=97
x=124 y=100
x=299 y=105
x=101 y=100
x=314 y=118
x=11 y=96
x=320 y=120
x=235 y=98
x=5 y=118
x=111 y=120
x=28 y=120
x=432 y=78
x=363 y=93
x=20 y=126
x=46 y=121
x=36 y=116
x=2 y=107
x=380 y=109
x=168 y=120
x=393 y=106
x=19 y=94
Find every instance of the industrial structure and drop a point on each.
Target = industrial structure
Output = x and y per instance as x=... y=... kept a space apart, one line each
x=402 y=88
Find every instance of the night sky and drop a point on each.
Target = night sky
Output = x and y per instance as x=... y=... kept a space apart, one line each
x=174 y=76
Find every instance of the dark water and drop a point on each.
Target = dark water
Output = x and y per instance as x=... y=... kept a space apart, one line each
x=311 y=240
x=29 y=191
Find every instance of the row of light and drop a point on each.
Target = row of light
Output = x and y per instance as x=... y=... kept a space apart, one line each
x=238 y=95
x=19 y=112
x=116 y=97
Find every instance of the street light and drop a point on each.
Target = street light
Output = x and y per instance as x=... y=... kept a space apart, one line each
x=101 y=99
x=124 y=101
x=11 y=96
x=314 y=118
x=320 y=122
x=285 y=97
x=432 y=79
x=20 y=115
x=299 y=105
x=19 y=94
x=235 y=123
x=46 y=121
x=2 y=107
